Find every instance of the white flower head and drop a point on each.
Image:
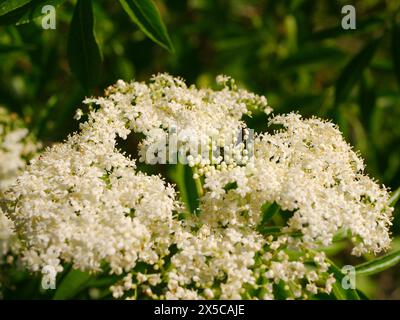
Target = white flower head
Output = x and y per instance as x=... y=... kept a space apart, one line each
x=182 y=118
x=83 y=202
x=17 y=147
x=309 y=170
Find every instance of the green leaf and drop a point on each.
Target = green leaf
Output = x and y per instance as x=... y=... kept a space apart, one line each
x=379 y=264
x=334 y=248
x=268 y=211
x=362 y=295
x=352 y=72
x=276 y=230
x=339 y=292
x=84 y=56
x=27 y=12
x=311 y=56
x=279 y=291
x=145 y=14
x=367 y=100
x=269 y=230
x=365 y=25
x=183 y=177
x=11 y=48
x=396 y=49
x=395 y=197
x=7 y=6
x=71 y=284
x=230 y=186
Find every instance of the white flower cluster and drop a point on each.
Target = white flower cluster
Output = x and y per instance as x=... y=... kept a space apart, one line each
x=260 y=221
x=185 y=122
x=237 y=263
x=9 y=247
x=9 y=243
x=308 y=169
x=16 y=148
x=233 y=263
x=83 y=202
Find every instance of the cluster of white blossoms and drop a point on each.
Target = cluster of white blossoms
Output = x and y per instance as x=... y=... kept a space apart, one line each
x=261 y=218
x=9 y=246
x=309 y=170
x=237 y=263
x=17 y=147
x=82 y=202
x=232 y=263
x=186 y=122
x=9 y=243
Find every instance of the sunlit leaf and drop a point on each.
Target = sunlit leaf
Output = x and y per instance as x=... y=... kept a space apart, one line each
x=7 y=6
x=395 y=197
x=28 y=12
x=339 y=292
x=145 y=14
x=379 y=264
x=268 y=211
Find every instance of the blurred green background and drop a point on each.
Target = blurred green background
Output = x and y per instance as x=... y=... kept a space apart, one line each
x=294 y=52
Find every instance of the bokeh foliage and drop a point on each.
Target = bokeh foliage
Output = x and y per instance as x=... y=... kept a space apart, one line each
x=294 y=52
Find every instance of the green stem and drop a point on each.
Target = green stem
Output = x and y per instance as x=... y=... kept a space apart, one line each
x=197 y=181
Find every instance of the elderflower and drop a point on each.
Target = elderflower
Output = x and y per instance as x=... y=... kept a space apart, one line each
x=83 y=202
x=16 y=147
x=233 y=263
x=9 y=243
x=9 y=247
x=180 y=121
x=313 y=174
